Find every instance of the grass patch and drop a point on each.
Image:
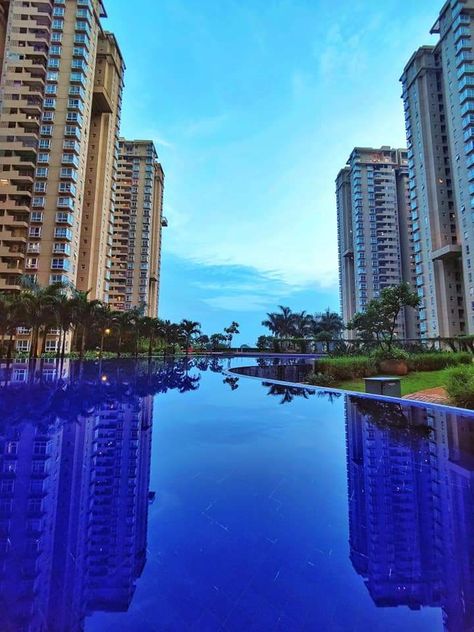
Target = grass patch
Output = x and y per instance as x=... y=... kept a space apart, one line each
x=411 y=383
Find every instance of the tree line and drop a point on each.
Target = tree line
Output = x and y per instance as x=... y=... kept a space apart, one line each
x=93 y=324
x=299 y=327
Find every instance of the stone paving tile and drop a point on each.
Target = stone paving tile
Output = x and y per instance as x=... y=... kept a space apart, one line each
x=430 y=396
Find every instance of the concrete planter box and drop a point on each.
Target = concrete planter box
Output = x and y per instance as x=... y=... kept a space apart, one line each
x=394 y=367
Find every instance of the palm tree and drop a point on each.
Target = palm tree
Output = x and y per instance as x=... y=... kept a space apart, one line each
x=151 y=328
x=63 y=308
x=231 y=331
x=328 y=322
x=84 y=314
x=189 y=328
x=171 y=332
x=302 y=328
x=122 y=323
x=34 y=309
x=282 y=324
x=103 y=316
x=135 y=317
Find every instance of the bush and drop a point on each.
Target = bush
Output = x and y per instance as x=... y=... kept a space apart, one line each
x=436 y=361
x=395 y=353
x=347 y=368
x=460 y=386
x=320 y=379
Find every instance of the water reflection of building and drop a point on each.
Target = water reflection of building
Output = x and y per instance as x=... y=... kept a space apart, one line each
x=411 y=507
x=74 y=494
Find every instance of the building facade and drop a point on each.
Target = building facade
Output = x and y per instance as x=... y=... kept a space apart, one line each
x=375 y=239
x=61 y=86
x=438 y=93
x=136 y=247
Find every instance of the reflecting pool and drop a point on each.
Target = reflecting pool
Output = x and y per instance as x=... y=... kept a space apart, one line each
x=178 y=496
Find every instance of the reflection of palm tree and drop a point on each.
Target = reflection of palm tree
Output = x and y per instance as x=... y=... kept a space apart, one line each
x=287 y=393
x=233 y=382
x=91 y=386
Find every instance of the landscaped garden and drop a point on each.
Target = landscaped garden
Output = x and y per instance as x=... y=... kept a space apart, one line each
x=374 y=349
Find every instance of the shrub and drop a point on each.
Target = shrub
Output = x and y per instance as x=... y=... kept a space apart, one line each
x=320 y=379
x=347 y=368
x=436 y=361
x=394 y=353
x=460 y=386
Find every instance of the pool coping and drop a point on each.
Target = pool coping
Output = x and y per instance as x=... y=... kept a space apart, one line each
x=322 y=389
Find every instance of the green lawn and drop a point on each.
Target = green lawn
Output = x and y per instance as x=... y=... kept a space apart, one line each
x=412 y=383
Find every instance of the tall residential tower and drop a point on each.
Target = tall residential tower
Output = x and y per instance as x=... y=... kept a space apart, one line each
x=374 y=230
x=136 y=248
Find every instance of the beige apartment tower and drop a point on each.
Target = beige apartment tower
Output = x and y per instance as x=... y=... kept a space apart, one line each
x=136 y=247
x=95 y=255
x=61 y=84
x=375 y=239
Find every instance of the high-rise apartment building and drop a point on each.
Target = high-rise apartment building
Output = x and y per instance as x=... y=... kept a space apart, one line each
x=136 y=248
x=438 y=93
x=95 y=256
x=61 y=84
x=374 y=230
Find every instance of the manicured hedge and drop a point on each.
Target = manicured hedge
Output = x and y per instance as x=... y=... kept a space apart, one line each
x=347 y=368
x=354 y=367
x=460 y=386
x=437 y=360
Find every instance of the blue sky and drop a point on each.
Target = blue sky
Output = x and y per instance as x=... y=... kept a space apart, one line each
x=254 y=106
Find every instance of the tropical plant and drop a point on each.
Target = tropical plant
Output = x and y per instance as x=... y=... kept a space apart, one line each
x=380 y=319
x=189 y=329
x=328 y=322
x=281 y=324
x=232 y=331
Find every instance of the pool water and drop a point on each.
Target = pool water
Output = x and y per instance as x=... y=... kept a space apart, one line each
x=177 y=496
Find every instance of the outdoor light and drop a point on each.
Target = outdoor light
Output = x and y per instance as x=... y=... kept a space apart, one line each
x=104 y=378
x=107 y=332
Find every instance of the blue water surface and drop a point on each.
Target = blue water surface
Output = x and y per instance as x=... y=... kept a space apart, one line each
x=176 y=496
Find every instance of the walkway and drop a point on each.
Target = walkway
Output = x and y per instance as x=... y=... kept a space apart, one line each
x=430 y=396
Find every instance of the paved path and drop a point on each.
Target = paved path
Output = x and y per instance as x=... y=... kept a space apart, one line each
x=430 y=396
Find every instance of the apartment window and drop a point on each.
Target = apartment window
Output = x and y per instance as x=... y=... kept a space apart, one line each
x=58 y=12
x=49 y=102
x=67 y=172
x=51 y=88
x=67 y=187
x=55 y=49
x=51 y=346
x=44 y=143
x=52 y=75
x=62 y=249
x=54 y=62
x=56 y=37
x=38 y=201
x=43 y=157
x=32 y=263
x=63 y=233
x=35 y=231
x=57 y=25
x=60 y=264
x=48 y=116
x=40 y=187
x=42 y=172
x=23 y=346
x=36 y=216
x=46 y=130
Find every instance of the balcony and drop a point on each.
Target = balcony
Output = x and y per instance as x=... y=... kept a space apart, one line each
x=65 y=218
